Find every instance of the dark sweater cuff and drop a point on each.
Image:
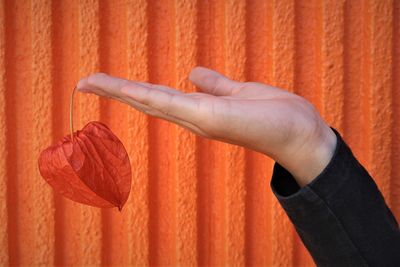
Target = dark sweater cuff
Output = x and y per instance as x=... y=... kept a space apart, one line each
x=288 y=191
x=341 y=216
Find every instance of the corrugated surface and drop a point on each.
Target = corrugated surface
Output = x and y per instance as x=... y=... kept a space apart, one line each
x=194 y=201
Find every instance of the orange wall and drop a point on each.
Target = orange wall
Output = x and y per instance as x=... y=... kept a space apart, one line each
x=193 y=201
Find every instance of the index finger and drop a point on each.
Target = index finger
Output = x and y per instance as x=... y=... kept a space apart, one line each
x=182 y=106
x=106 y=85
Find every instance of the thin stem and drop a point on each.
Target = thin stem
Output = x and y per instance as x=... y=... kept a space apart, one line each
x=71 y=114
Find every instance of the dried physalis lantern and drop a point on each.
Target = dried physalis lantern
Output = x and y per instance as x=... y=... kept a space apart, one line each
x=90 y=166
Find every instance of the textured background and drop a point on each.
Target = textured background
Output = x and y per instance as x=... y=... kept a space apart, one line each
x=193 y=201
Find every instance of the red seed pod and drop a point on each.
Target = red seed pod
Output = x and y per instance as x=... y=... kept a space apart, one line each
x=90 y=166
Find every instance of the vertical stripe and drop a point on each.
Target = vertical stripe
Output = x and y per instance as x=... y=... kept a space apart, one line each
x=162 y=166
x=41 y=97
x=138 y=144
x=352 y=79
x=283 y=76
x=307 y=50
x=88 y=110
x=113 y=60
x=10 y=108
x=380 y=100
x=307 y=83
x=4 y=252
x=366 y=82
x=185 y=156
x=332 y=63
x=258 y=167
x=235 y=28
x=395 y=175
x=211 y=183
x=19 y=128
x=65 y=75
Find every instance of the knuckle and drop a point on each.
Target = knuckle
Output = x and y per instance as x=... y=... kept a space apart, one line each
x=165 y=107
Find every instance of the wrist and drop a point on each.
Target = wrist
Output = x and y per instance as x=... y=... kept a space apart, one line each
x=309 y=161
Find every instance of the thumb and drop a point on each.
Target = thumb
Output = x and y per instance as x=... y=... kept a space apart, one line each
x=212 y=82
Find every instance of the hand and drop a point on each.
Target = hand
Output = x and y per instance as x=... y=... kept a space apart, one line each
x=267 y=119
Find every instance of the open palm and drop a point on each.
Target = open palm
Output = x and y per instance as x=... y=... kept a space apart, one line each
x=267 y=119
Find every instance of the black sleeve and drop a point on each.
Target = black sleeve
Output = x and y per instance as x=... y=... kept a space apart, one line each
x=341 y=216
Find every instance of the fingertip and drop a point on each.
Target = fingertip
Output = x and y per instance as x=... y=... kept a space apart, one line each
x=199 y=75
x=197 y=72
x=83 y=86
x=204 y=78
x=212 y=82
x=95 y=78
